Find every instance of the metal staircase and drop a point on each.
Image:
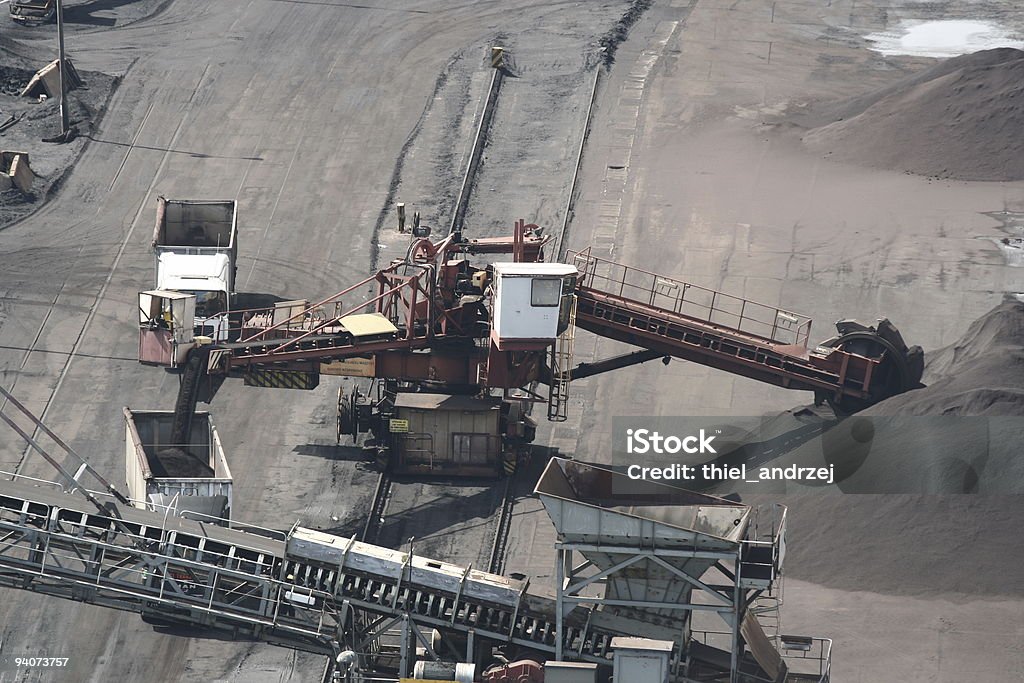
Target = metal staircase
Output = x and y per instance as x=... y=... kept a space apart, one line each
x=561 y=369
x=768 y=611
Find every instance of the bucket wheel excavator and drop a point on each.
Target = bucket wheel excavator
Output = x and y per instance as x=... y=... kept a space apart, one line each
x=899 y=367
x=458 y=349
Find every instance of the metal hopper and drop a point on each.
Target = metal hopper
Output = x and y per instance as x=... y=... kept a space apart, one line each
x=638 y=532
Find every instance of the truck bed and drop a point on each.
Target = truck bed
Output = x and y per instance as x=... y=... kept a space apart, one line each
x=195 y=223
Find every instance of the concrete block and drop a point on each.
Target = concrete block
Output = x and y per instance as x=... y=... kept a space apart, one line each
x=47 y=80
x=15 y=171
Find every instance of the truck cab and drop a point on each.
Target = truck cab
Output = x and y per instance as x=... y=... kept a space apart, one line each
x=206 y=277
x=194 y=244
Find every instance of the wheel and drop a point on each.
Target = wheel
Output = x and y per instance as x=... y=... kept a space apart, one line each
x=892 y=377
x=348 y=413
x=346 y=416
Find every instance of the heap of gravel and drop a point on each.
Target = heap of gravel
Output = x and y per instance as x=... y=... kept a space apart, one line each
x=175 y=462
x=618 y=33
x=980 y=374
x=36 y=121
x=14 y=79
x=946 y=545
x=960 y=119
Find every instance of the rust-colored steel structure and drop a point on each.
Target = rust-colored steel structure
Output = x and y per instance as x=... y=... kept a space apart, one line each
x=435 y=333
x=740 y=336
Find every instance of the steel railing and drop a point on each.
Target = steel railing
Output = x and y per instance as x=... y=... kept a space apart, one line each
x=812 y=664
x=703 y=304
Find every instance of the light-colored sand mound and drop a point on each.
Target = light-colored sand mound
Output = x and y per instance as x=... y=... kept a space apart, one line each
x=961 y=119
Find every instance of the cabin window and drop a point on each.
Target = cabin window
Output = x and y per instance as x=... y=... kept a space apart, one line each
x=546 y=292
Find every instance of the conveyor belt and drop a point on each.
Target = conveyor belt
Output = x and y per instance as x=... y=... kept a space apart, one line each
x=314 y=347
x=289 y=591
x=673 y=334
x=188 y=397
x=677 y=318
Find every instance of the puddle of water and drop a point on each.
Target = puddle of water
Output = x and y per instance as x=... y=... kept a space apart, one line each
x=943 y=38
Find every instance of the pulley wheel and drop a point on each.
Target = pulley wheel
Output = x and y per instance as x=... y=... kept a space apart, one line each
x=890 y=378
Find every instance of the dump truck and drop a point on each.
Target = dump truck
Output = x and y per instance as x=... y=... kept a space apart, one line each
x=194 y=242
x=34 y=11
x=191 y=480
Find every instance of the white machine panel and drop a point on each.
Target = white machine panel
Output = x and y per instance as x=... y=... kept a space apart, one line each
x=528 y=298
x=640 y=660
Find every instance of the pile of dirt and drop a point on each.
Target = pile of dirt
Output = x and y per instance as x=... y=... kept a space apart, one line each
x=13 y=79
x=919 y=545
x=618 y=33
x=958 y=119
x=934 y=544
x=175 y=462
x=30 y=122
x=980 y=374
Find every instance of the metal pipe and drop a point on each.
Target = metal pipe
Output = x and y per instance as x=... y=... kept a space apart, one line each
x=34 y=444
x=65 y=123
x=579 y=163
x=476 y=152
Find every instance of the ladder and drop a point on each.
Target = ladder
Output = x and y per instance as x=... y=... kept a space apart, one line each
x=767 y=609
x=561 y=368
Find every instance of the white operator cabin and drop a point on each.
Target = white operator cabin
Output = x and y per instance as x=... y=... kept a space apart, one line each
x=528 y=300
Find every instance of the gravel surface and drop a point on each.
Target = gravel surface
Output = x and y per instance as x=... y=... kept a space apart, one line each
x=36 y=121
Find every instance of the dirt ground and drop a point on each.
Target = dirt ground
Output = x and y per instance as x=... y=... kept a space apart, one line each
x=316 y=116
x=36 y=122
x=306 y=113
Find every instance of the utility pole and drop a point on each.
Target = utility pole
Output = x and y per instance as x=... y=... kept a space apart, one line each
x=65 y=123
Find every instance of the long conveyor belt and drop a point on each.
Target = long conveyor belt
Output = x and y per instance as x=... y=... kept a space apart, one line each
x=763 y=342
x=674 y=334
x=293 y=591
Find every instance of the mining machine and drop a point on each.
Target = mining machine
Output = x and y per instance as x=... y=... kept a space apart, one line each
x=457 y=349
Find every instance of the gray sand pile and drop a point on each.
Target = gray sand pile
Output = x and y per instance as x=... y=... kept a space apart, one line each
x=944 y=545
x=894 y=522
x=980 y=374
x=618 y=33
x=35 y=121
x=960 y=119
x=13 y=79
x=900 y=544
